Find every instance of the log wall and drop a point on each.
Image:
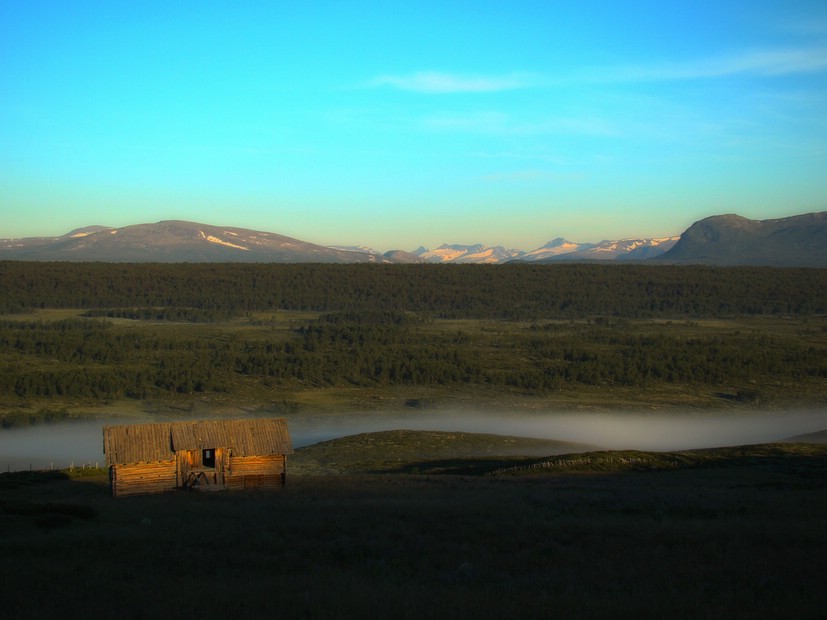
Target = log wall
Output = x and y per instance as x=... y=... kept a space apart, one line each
x=246 y=472
x=235 y=472
x=142 y=478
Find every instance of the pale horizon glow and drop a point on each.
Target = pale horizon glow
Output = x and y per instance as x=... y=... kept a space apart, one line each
x=399 y=125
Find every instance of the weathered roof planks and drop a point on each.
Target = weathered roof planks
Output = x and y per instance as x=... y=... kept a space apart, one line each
x=142 y=443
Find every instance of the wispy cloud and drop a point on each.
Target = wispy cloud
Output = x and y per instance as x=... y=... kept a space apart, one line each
x=439 y=83
x=492 y=122
x=760 y=62
x=766 y=62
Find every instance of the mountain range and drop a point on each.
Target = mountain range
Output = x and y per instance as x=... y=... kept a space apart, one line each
x=799 y=240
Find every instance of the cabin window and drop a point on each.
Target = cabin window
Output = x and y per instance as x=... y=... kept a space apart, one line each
x=208 y=457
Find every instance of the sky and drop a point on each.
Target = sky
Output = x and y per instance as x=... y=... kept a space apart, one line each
x=395 y=125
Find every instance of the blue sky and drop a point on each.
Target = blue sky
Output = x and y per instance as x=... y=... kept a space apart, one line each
x=399 y=124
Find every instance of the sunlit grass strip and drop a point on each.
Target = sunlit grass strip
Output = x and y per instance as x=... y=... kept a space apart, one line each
x=783 y=456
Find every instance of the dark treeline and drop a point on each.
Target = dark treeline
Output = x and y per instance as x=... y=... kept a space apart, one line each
x=508 y=292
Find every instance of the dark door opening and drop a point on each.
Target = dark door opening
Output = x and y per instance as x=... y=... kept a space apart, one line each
x=208 y=457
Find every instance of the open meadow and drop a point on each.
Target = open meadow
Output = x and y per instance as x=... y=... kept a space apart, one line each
x=725 y=533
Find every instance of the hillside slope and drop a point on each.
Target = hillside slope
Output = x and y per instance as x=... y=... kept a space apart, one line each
x=797 y=241
x=178 y=241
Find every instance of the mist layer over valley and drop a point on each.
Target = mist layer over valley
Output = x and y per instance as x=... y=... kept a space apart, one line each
x=79 y=443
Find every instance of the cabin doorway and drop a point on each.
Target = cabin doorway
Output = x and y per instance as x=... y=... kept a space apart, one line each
x=202 y=469
x=208 y=457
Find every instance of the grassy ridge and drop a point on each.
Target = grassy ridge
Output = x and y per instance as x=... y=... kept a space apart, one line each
x=437 y=452
x=421 y=451
x=806 y=459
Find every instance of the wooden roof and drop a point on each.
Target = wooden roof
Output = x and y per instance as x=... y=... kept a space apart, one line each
x=138 y=443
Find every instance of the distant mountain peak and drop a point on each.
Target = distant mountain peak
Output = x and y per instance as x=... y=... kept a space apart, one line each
x=554 y=248
x=478 y=253
x=614 y=250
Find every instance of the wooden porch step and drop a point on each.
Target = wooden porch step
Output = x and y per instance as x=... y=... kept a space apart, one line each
x=208 y=488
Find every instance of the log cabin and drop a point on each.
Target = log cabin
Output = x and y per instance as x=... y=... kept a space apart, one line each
x=209 y=455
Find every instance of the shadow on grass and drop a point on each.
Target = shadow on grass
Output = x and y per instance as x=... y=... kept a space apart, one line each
x=744 y=526
x=459 y=466
x=16 y=479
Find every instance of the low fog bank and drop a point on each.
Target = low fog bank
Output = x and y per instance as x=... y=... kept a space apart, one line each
x=81 y=443
x=609 y=430
x=673 y=431
x=52 y=446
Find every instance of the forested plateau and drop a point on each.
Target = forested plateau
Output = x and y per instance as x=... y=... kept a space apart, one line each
x=94 y=332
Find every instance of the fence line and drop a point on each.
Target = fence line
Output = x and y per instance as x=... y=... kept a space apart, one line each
x=51 y=467
x=563 y=463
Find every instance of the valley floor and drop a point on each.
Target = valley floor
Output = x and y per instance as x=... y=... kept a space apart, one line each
x=735 y=539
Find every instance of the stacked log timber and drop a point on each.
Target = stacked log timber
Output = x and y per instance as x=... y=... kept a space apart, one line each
x=142 y=478
x=256 y=471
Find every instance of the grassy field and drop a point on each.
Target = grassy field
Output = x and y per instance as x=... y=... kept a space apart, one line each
x=413 y=525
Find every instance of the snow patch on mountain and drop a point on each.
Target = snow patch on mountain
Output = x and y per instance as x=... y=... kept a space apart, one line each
x=556 y=247
x=213 y=239
x=478 y=254
x=85 y=231
x=622 y=249
x=635 y=248
x=356 y=248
